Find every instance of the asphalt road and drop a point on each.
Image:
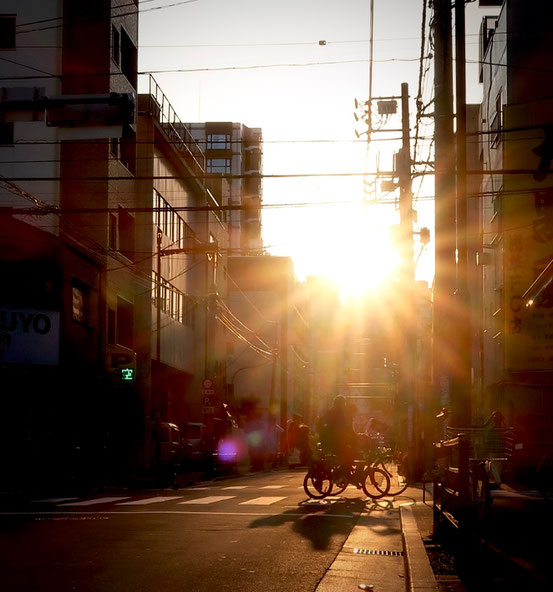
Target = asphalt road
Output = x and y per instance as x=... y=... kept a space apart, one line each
x=254 y=533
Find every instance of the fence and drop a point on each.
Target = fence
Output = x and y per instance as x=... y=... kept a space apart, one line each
x=451 y=484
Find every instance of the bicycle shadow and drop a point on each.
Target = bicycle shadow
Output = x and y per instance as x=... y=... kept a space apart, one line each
x=318 y=523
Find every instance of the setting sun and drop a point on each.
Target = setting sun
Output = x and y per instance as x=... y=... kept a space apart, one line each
x=354 y=252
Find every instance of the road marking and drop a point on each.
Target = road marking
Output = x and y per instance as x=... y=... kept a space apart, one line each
x=212 y=499
x=327 y=501
x=236 y=487
x=54 y=500
x=262 y=501
x=98 y=500
x=128 y=514
x=272 y=487
x=151 y=500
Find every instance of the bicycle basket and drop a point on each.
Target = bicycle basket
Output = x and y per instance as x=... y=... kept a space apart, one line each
x=487 y=443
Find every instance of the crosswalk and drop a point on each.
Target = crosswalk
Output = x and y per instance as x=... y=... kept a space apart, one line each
x=200 y=496
x=240 y=495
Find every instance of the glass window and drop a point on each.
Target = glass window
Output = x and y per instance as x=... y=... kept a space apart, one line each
x=218 y=141
x=129 y=58
x=125 y=323
x=116 y=44
x=218 y=165
x=79 y=305
x=6 y=133
x=111 y=326
x=7 y=31
x=126 y=233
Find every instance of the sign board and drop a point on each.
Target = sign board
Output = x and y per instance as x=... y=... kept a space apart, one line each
x=207 y=383
x=208 y=410
x=29 y=336
x=121 y=363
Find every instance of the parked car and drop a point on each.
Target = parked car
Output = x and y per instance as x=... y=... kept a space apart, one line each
x=193 y=446
x=167 y=445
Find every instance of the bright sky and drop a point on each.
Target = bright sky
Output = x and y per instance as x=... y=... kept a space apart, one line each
x=261 y=64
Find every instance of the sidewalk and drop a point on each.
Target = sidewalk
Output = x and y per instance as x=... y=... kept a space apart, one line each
x=385 y=550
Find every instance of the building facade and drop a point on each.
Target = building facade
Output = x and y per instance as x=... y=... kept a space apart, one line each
x=112 y=268
x=517 y=243
x=233 y=151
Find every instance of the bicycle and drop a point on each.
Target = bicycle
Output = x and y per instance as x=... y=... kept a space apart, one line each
x=328 y=477
x=490 y=448
x=394 y=463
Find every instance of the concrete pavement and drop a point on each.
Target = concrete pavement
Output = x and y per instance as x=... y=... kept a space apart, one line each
x=385 y=550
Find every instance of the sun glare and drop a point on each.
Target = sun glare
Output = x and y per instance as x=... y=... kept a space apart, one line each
x=355 y=254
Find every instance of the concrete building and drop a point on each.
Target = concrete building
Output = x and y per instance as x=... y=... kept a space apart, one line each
x=234 y=151
x=110 y=277
x=517 y=204
x=64 y=103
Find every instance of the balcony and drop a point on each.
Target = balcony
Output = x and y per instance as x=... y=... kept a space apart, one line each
x=177 y=133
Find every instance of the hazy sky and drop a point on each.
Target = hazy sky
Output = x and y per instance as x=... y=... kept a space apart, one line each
x=261 y=63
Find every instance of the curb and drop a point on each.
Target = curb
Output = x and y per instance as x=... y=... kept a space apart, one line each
x=420 y=576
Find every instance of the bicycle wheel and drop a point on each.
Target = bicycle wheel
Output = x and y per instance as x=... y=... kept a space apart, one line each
x=317 y=483
x=339 y=483
x=397 y=471
x=376 y=482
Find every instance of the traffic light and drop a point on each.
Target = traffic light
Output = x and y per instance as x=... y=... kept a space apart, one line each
x=545 y=152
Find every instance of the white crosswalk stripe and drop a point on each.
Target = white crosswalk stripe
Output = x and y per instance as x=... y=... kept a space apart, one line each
x=327 y=501
x=98 y=500
x=262 y=501
x=272 y=487
x=235 y=487
x=54 y=500
x=151 y=500
x=211 y=499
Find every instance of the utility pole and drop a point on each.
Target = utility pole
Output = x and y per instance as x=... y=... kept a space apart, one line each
x=284 y=359
x=461 y=387
x=445 y=247
x=407 y=283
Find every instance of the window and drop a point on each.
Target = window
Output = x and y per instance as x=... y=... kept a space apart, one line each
x=112 y=230
x=218 y=141
x=7 y=31
x=174 y=303
x=128 y=58
x=496 y=125
x=125 y=323
x=115 y=45
x=6 y=133
x=80 y=304
x=128 y=152
x=126 y=233
x=218 y=165
x=169 y=221
x=111 y=326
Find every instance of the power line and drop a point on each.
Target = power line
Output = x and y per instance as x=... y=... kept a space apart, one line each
x=134 y=12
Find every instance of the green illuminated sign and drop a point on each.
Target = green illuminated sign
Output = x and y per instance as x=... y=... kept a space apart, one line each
x=127 y=374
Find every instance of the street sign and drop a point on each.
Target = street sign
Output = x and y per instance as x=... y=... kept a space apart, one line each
x=207 y=410
x=207 y=383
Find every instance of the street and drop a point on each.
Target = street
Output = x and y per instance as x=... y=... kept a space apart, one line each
x=257 y=532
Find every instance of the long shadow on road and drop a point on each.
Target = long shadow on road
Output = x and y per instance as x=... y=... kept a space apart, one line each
x=317 y=523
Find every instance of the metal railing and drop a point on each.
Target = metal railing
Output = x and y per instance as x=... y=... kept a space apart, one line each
x=177 y=132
